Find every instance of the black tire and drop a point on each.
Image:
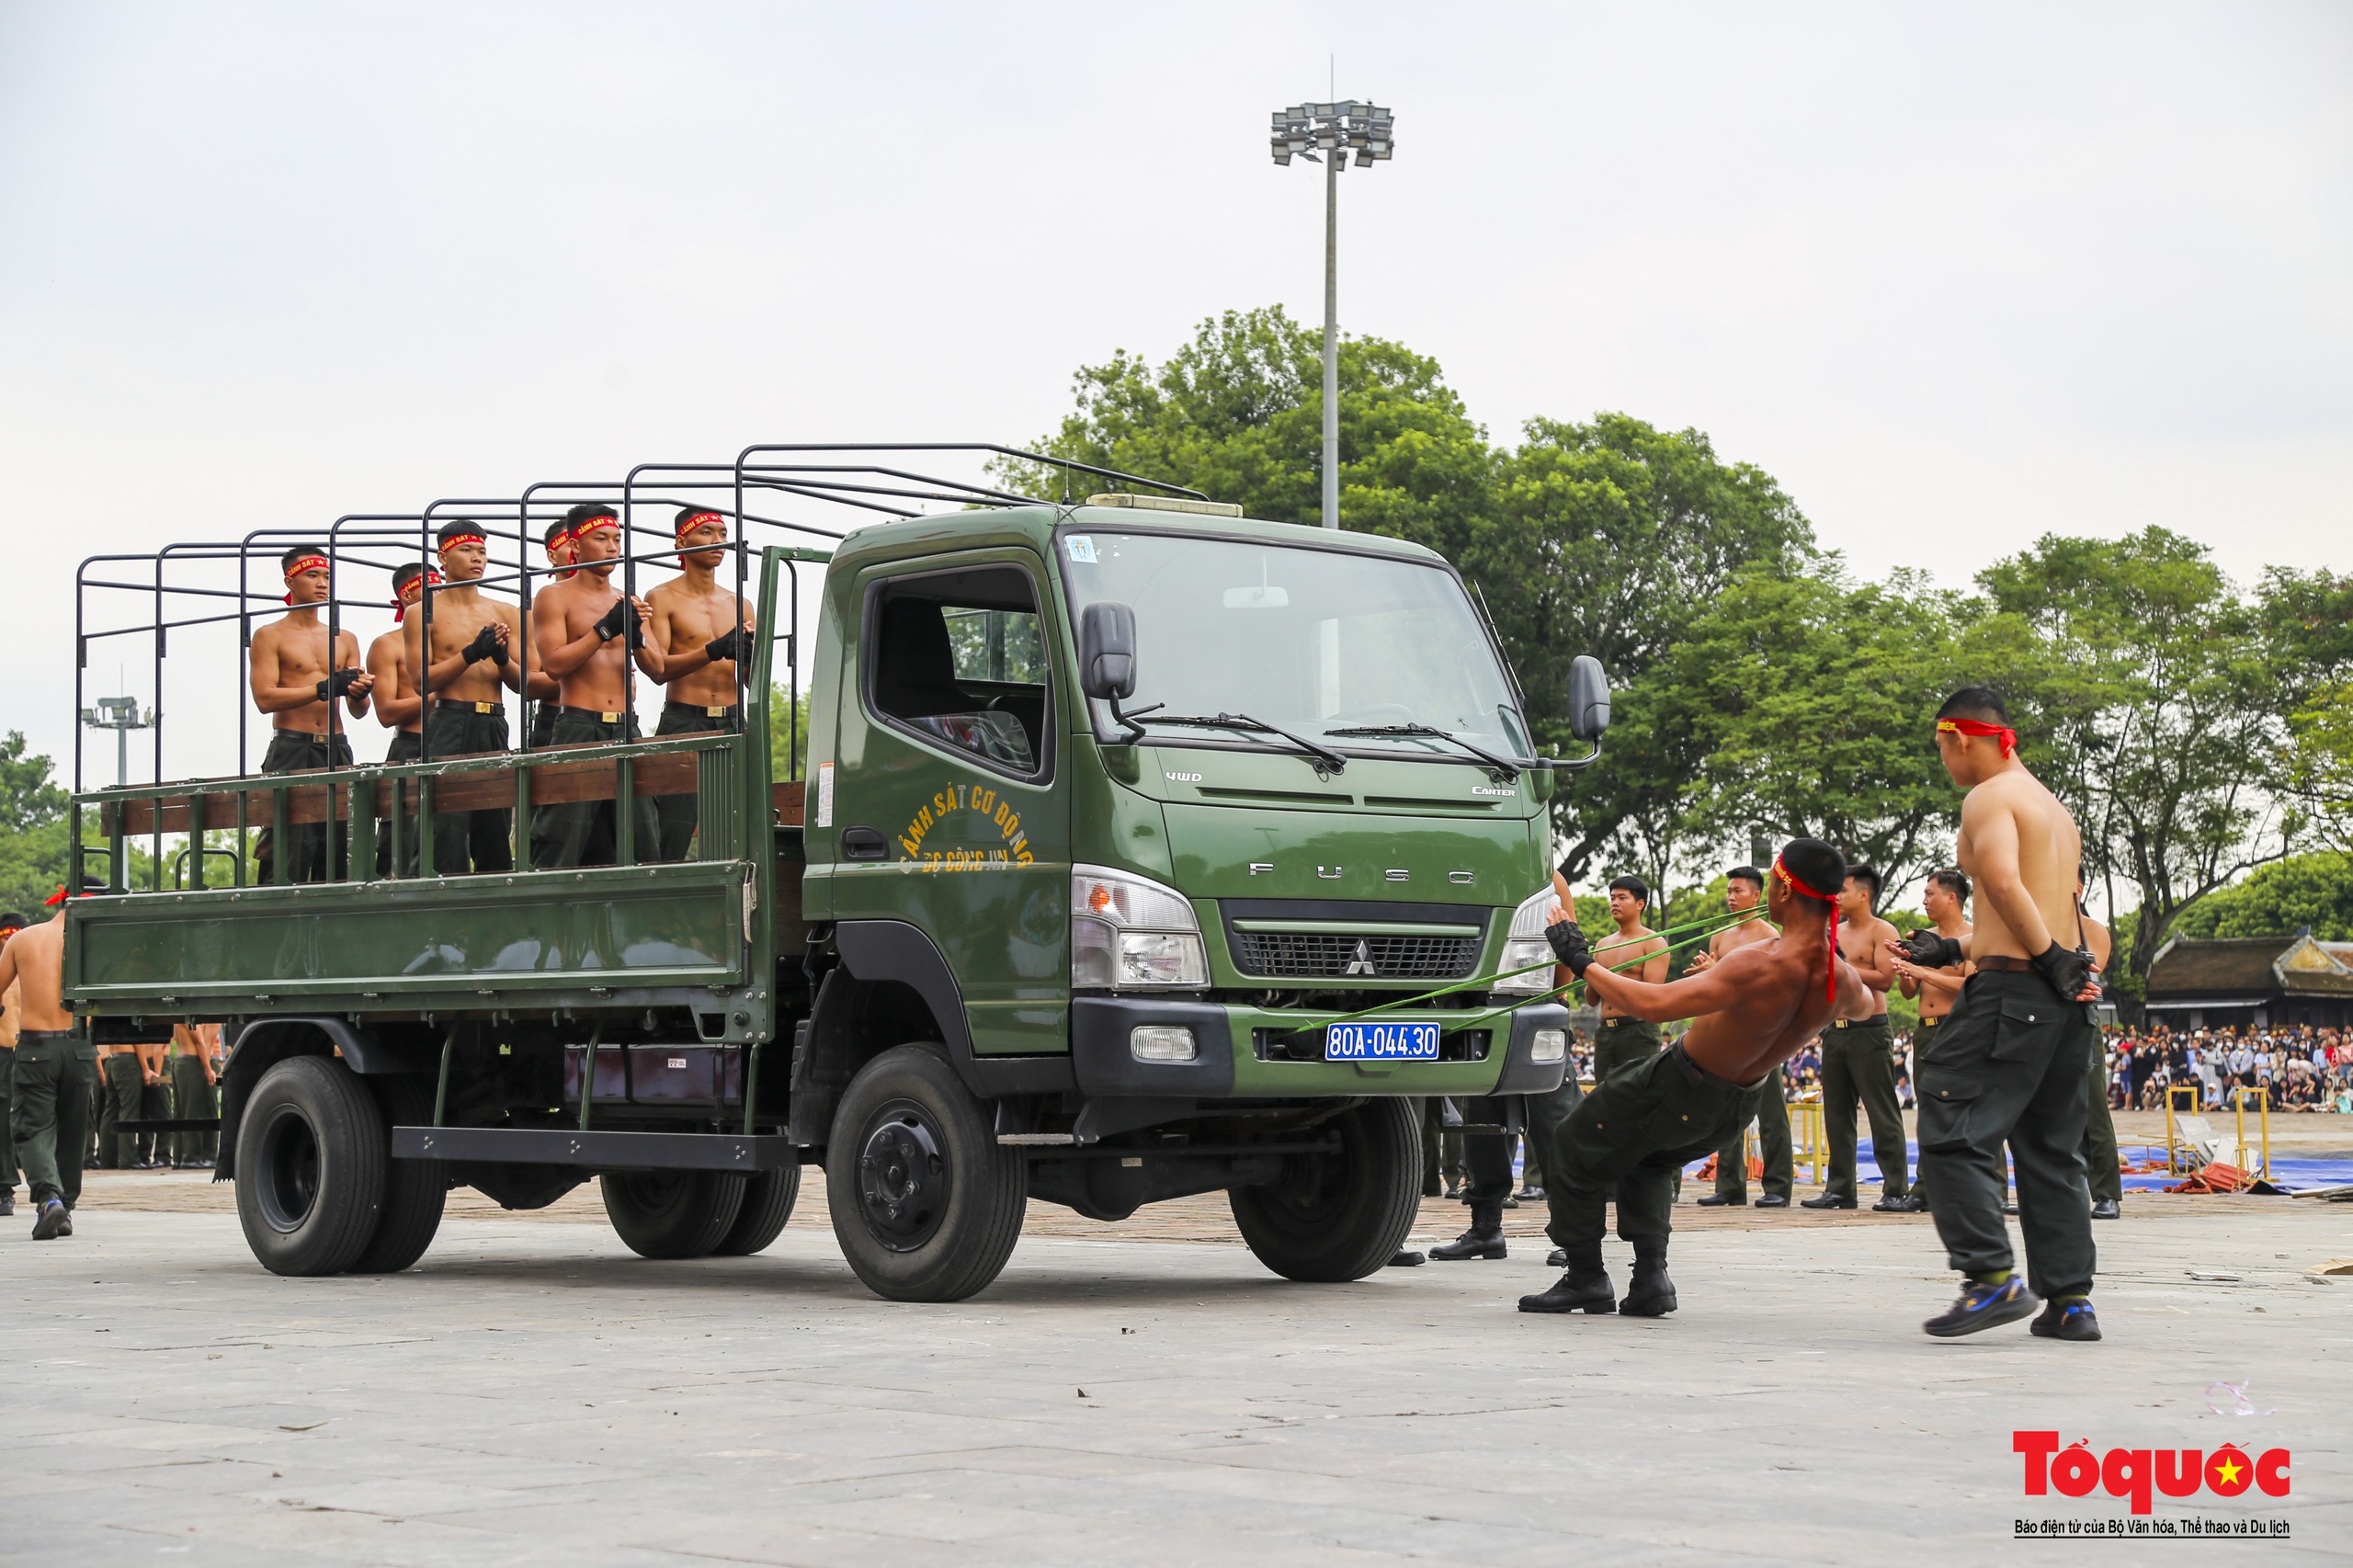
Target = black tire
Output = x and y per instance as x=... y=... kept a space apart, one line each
x=415 y=1190
x=1340 y=1217
x=311 y=1161
x=511 y=1184
x=768 y=1198
x=926 y=1204
x=672 y=1215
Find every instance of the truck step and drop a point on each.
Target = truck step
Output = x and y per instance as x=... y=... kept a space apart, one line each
x=598 y=1150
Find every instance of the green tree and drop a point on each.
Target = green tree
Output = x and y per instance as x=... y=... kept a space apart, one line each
x=2148 y=699
x=2280 y=900
x=32 y=828
x=1604 y=538
x=2307 y=621
x=1807 y=700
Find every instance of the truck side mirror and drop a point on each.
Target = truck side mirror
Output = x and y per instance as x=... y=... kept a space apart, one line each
x=1589 y=699
x=1107 y=652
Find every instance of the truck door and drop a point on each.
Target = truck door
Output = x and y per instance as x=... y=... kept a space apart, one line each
x=954 y=816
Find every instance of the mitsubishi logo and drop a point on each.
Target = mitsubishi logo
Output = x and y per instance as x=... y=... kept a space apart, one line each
x=1362 y=963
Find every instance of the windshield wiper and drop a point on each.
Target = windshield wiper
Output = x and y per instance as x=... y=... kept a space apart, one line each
x=1326 y=760
x=1504 y=772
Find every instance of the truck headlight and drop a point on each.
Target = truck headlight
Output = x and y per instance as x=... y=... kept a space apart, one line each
x=1525 y=945
x=1130 y=934
x=1548 y=1045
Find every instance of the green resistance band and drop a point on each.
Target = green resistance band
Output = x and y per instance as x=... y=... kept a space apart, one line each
x=1706 y=926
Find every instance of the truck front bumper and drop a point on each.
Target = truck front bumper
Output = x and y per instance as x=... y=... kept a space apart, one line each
x=1227 y=1063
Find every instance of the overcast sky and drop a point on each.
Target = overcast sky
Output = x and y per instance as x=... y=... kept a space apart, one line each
x=1956 y=275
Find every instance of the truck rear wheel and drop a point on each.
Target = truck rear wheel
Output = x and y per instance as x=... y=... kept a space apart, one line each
x=926 y=1205
x=310 y=1167
x=1341 y=1216
x=768 y=1198
x=672 y=1213
x=415 y=1190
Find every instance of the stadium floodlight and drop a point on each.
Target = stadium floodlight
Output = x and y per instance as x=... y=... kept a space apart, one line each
x=1334 y=130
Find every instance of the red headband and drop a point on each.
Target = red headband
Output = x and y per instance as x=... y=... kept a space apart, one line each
x=590 y=525
x=60 y=896
x=1790 y=880
x=697 y=520
x=2009 y=737
x=400 y=606
x=303 y=563
x=455 y=539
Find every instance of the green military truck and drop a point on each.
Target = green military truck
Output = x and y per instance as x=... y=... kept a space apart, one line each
x=1138 y=850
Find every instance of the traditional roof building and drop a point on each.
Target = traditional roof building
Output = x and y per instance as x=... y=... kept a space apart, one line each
x=2256 y=981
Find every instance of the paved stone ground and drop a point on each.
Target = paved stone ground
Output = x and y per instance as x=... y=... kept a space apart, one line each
x=533 y=1392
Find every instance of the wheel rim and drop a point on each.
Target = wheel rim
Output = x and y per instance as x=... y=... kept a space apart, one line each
x=902 y=1184
x=655 y=1192
x=286 y=1179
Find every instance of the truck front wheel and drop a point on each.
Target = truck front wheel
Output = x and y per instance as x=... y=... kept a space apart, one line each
x=672 y=1213
x=1339 y=1216
x=926 y=1205
x=311 y=1164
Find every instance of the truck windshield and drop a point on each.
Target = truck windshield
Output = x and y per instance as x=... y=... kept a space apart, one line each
x=1310 y=640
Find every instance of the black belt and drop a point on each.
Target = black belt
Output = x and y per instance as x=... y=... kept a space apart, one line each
x=2001 y=963
x=599 y=716
x=23 y=1035
x=1856 y=1023
x=700 y=709
x=317 y=738
x=451 y=705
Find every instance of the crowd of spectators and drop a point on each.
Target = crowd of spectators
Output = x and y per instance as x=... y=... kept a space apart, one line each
x=2299 y=1069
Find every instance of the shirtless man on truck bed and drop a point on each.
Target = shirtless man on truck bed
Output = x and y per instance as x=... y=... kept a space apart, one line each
x=584 y=630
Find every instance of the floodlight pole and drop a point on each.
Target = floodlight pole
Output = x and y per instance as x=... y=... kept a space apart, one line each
x=1332 y=339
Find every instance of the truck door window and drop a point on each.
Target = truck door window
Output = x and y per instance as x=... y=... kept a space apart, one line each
x=958 y=659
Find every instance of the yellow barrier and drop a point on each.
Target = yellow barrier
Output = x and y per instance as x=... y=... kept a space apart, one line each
x=1806 y=1140
x=2177 y=1151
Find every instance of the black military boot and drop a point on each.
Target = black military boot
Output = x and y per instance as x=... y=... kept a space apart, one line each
x=1585 y=1287
x=1483 y=1239
x=1652 y=1293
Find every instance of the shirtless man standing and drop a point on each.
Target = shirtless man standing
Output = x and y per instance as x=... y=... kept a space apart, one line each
x=12 y=1002
x=296 y=681
x=1751 y=1011
x=1859 y=1061
x=466 y=682
x=2012 y=1056
x=582 y=630
x=399 y=706
x=1946 y=901
x=1626 y=1039
x=1744 y=892
x=699 y=627
x=559 y=540
x=52 y=1076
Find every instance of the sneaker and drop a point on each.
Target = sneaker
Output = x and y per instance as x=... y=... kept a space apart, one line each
x=1826 y=1201
x=1722 y=1201
x=1982 y=1305
x=53 y=1221
x=2068 y=1318
x=2106 y=1209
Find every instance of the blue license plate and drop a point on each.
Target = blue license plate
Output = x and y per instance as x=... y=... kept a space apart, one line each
x=1380 y=1042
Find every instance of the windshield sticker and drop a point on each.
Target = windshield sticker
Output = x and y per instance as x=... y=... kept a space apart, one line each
x=997 y=815
x=1081 y=548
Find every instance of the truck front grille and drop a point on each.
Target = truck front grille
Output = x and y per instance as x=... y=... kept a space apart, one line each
x=1318 y=955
